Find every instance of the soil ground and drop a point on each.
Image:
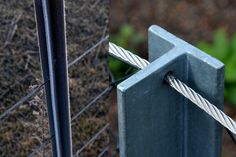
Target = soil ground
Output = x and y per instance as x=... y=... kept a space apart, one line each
x=25 y=129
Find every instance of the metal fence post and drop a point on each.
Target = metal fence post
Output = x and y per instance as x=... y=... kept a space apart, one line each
x=154 y=120
x=52 y=43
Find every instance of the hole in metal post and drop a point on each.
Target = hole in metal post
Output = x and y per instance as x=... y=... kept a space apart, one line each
x=165 y=79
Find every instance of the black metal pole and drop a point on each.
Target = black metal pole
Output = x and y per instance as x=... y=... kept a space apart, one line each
x=52 y=43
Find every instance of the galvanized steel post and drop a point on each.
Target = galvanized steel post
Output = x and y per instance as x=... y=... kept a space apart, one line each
x=155 y=120
x=52 y=42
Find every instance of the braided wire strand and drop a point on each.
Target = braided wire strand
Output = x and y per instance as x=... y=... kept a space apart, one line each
x=202 y=103
x=127 y=56
x=179 y=86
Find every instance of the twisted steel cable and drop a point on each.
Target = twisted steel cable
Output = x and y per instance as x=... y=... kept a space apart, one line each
x=202 y=103
x=127 y=56
x=179 y=86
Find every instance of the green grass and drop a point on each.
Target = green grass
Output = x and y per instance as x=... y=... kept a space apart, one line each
x=128 y=38
x=224 y=49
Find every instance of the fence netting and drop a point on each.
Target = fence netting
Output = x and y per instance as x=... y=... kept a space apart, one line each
x=89 y=78
x=23 y=109
x=23 y=113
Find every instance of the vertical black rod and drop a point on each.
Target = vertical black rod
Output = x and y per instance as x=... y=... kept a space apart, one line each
x=61 y=71
x=53 y=85
x=44 y=65
x=52 y=42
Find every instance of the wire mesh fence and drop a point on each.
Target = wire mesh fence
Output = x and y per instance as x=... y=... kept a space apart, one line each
x=23 y=113
x=24 y=118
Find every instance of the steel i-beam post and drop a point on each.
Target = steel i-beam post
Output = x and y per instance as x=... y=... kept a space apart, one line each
x=154 y=119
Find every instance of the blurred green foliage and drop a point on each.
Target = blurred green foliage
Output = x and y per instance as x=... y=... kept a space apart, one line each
x=224 y=49
x=128 y=38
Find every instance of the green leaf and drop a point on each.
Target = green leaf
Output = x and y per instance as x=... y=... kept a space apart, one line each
x=207 y=48
x=221 y=45
x=127 y=31
x=224 y=50
x=233 y=45
x=115 y=67
x=137 y=39
x=230 y=70
x=230 y=95
x=128 y=38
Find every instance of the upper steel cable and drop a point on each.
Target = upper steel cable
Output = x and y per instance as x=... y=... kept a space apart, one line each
x=179 y=86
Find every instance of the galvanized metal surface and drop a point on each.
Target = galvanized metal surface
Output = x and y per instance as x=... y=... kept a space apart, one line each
x=154 y=120
x=52 y=43
x=186 y=91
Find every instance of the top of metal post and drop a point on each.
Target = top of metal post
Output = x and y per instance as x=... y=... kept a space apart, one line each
x=155 y=120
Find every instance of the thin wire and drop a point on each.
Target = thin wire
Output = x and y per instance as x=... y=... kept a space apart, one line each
x=103 y=93
x=179 y=86
x=88 y=51
x=103 y=152
x=42 y=146
x=36 y=90
x=21 y=101
x=116 y=82
x=103 y=39
x=14 y=84
x=92 y=139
